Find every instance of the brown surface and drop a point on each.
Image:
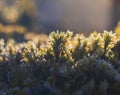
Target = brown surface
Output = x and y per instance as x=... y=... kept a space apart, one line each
x=117 y=3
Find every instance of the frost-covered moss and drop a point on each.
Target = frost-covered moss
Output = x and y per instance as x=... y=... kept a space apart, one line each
x=66 y=64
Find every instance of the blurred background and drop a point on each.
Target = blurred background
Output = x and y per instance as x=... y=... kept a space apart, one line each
x=26 y=19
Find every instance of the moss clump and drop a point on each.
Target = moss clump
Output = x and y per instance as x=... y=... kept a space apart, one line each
x=66 y=64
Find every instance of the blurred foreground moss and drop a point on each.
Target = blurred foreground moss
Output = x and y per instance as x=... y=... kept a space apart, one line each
x=65 y=64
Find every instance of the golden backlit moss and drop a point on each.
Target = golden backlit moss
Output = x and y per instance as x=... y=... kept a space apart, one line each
x=64 y=65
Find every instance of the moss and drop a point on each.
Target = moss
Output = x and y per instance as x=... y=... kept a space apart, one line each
x=68 y=63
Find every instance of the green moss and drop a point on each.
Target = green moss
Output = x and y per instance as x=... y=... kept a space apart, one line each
x=69 y=63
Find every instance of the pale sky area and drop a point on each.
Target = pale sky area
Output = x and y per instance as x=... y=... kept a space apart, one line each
x=84 y=15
